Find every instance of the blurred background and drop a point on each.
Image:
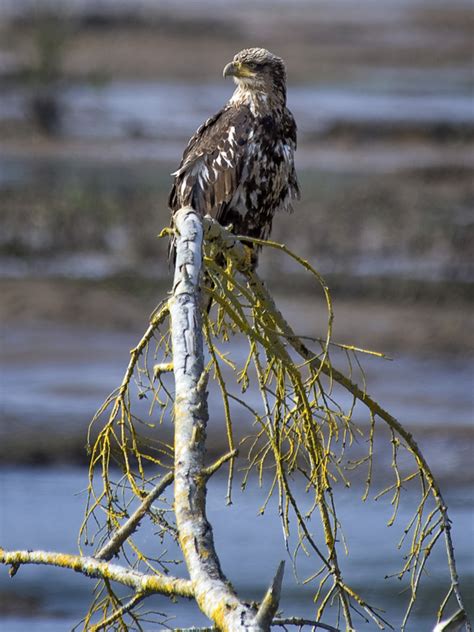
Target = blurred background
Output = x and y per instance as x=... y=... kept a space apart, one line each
x=97 y=102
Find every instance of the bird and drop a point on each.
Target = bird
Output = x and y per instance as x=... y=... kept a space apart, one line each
x=239 y=165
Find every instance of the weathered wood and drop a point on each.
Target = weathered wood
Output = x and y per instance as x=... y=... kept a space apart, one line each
x=92 y=567
x=213 y=592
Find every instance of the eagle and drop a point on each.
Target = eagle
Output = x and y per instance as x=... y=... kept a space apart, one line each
x=239 y=165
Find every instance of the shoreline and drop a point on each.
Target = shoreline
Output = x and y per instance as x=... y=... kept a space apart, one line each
x=394 y=323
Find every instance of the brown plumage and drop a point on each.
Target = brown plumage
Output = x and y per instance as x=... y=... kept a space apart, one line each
x=238 y=167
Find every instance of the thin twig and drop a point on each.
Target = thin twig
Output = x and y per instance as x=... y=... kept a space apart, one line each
x=112 y=547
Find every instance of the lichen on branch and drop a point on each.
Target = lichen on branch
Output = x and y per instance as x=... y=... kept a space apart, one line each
x=301 y=437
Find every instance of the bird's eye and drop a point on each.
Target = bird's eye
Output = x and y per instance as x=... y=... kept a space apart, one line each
x=252 y=65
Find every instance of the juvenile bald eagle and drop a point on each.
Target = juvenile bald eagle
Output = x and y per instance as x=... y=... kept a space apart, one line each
x=238 y=167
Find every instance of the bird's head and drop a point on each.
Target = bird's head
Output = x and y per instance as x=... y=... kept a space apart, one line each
x=258 y=70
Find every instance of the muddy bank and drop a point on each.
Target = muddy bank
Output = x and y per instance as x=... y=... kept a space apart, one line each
x=66 y=345
x=371 y=234
x=328 y=39
x=381 y=94
x=394 y=326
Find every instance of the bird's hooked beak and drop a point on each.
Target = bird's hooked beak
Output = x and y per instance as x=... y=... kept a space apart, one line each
x=236 y=69
x=230 y=70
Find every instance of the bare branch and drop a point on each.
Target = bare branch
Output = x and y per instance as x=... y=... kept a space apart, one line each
x=222 y=239
x=213 y=592
x=269 y=605
x=91 y=567
x=212 y=469
x=455 y=623
x=300 y=622
x=117 y=614
x=112 y=547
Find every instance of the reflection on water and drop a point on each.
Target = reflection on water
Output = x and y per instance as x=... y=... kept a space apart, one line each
x=45 y=508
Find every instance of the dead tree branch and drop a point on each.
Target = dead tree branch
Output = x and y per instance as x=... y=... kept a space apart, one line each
x=213 y=592
x=91 y=567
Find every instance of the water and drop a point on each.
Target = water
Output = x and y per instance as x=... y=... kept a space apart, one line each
x=172 y=111
x=74 y=369
x=55 y=377
x=45 y=508
x=69 y=375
